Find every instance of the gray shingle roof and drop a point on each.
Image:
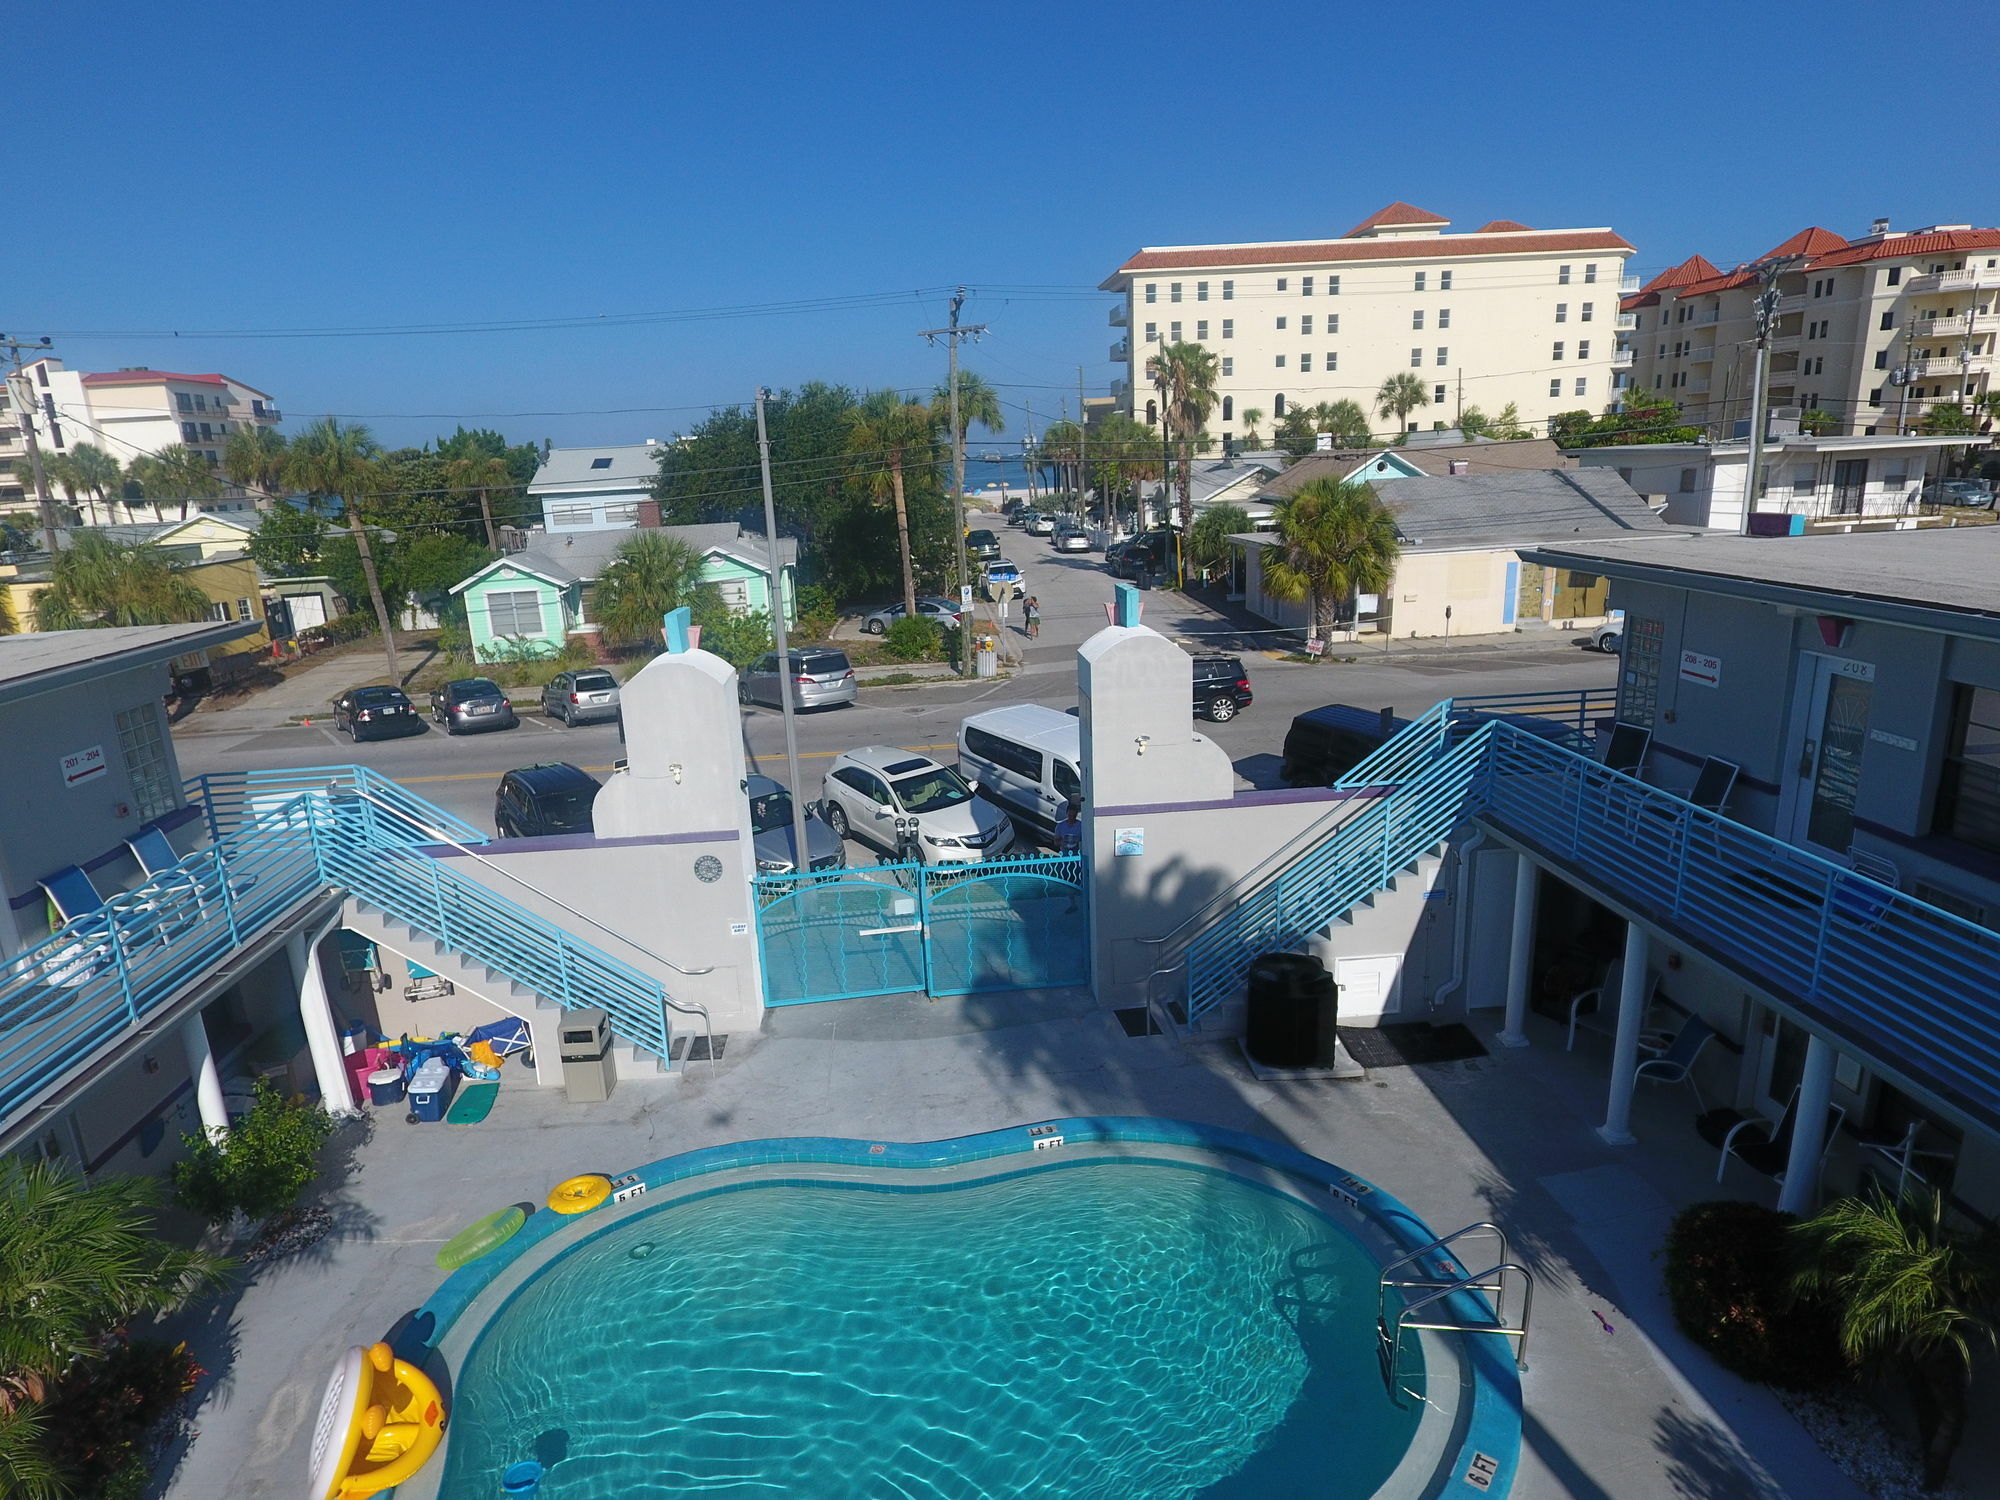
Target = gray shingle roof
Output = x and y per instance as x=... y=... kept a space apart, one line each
x=579 y=556
x=1512 y=509
x=569 y=471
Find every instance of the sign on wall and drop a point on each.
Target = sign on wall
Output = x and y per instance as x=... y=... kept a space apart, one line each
x=1126 y=841
x=1699 y=667
x=84 y=765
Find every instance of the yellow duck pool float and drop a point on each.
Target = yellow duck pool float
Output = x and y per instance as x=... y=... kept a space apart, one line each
x=379 y=1422
x=577 y=1195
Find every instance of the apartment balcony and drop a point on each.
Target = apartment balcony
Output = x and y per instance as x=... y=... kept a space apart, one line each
x=1121 y=352
x=1791 y=302
x=267 y=413
x=1704 y=355
x=1970 y=279
x=1974 y=364
x=1628 y=284
x=1695 y=388
x=1627 y=322
x=1120 y=389
x=1621 y=359
x=1117 y=318
x=1955 y=327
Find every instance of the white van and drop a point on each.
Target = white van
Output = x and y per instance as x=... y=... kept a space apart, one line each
x=1027 y=761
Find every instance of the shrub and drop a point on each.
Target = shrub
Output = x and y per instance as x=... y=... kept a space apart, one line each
x=737 y=639
x=104 y=1420
x=348 y=627
x=261 y=1166
x=818 y=612
x=1729 y=1270
x=913 y=639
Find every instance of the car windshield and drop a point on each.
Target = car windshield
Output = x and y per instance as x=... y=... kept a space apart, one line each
x=567 y=809
x=474 y=687
x=771 y=812
x=593 y=682
x=933 y=790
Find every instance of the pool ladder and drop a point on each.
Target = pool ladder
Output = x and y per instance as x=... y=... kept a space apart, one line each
x=1437 y=1277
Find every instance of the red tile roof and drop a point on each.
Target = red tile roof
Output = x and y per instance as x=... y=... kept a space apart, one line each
x=1440 y=247
x=1638 y=300
x=1694 y=268
x=1822 y=249
x=1813 y=241
x=149 y=377
x=1911 y=244
x=1396 y=213
x=1501 y=226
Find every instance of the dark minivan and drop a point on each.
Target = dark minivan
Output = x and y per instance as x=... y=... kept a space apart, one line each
x=1324 y=744
x=538 y=801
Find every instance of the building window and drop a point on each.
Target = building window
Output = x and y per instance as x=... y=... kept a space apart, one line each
x=1282 y=283
x=1562 y=312
x=1417 y=320
x=1174 y=332
x=1895 y=276
x=1437 y=397
x=1443 y=355
x=1416 y=358
x=1558 y=350
x=188 y=433
x=143 y=744
x=1888 y=320
x=1881 y=359
x=1228 y=365
x=1562 y=275
x=1656 y=382
x=1228 y=408
x=1152 y=333
x=517 y=612
x=1688 y=481
x=1556 y=389
x=735 y=594
x=1583 y=349
x=626 y=514
x=181 y=399
x=571 y=515
x=1305 y=363
x=1306 y=325
x=1333 y=286
x=1305 y=286
x=1444 y=317
x=1638 y=664
x=1173 y=291
x=1968 y=800
x=1332 y=361
x=1420 y=281
x=1590 y=273
x=1152 y=291
x=1152 y=414
x=1201 y=291
x=219 y=611
x=1582 y=385
x=1201 y=331
x=1281 y=361
x=1875 y=396
x=1229 y=328
x=1583 y=312
x=1228 y=291
x=1278 y=404
x=1333 y=323
x=1444 y=281
x=1281 y=325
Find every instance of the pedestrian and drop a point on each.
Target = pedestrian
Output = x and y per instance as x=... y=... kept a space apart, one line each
x=1031 y=613
x=1069 y=828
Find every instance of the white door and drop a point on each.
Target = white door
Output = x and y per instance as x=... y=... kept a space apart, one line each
x=1826 y=752
x=1370 y=988
x=308 y=610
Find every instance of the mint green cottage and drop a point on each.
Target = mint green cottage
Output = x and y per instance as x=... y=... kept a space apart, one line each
x=531 y=601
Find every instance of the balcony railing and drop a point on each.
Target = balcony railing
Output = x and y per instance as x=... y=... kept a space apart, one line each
x=1627 y=322
x=1117 y=319
x=1972 y=364
x=1120 y=389
x=1121 y=352
x=1621 y=359
x=1628 y=284
x=1967 y=279
x=1704 y=355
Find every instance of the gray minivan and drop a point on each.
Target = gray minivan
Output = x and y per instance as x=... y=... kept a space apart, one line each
x=1027 y=760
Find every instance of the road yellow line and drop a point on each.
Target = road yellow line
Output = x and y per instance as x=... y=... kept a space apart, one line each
x=606 y=770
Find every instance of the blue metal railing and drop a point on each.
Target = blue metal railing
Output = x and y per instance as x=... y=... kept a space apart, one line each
x=233 y=801
x=1575 y=713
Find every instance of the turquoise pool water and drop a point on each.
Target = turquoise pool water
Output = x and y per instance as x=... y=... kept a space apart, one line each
x=1109 y=1328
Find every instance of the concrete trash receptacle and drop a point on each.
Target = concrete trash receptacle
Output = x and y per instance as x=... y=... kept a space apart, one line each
x=985 y=662
x=590 y=1072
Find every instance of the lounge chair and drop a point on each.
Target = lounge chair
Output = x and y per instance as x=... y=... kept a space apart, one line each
x=1764 y=1144
x=1627 y=749
x=1598 y=996
x=1713 y=784
x=71 y=893
x=1673 y=1060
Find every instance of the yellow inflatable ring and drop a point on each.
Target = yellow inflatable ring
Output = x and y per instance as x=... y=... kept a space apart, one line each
x=579 y=1195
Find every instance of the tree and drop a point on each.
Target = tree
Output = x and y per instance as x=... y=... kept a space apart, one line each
x=176 y=473
x=259 y=1166
x=1336 y=540
x=1507 y=424
x=1913 y=1299
x=1295 y=434
x=254 y=458
x=1474 y=423
x=1344 y=421
x=1399 y=395
x=98 y=471
x=1058 y=448
x=652 y=575
x=1252 y=417
x=288 y=541
x=60 y=470
x=977 y=402
x=1184 y=375
x=481 y=474
x=1208 y=539
x=332 y=461
x=892 y=432
x=1641 y=418
x=1947 y=419
x=1819 y=423
x=97 y=582
x=431 y=564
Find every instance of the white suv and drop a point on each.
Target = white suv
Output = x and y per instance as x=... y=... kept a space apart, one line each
x=870 y=791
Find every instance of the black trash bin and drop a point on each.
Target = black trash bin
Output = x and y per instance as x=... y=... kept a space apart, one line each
x=1293 y=1012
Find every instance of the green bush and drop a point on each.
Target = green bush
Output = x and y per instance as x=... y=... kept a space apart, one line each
x=913 y=638
x=737 y=639
x=1729 y=1269
x=101 y=1420
x=261 y=1166
x=348 y=627
x=818 y=613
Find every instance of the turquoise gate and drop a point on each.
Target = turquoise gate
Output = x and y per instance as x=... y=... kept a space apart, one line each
x=1012 y=924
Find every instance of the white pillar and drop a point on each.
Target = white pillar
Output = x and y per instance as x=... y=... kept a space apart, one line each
x=1520 y=952
x=317 y=1015
x=207 y=1081
x=1801 y=1185
x=1617 y=1127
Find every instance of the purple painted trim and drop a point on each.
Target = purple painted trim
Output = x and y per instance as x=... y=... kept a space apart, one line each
x=166 y=823
x=1247 y=799
x=578 y=841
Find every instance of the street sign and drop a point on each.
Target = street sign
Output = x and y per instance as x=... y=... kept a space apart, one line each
x=965 y=596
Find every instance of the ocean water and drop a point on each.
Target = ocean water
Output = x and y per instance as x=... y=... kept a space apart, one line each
x=1097 y=1329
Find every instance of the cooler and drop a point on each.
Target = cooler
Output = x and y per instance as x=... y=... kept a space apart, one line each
x=431 y=1088
x=385 y=1086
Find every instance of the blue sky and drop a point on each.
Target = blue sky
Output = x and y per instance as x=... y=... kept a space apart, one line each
x=375 y=165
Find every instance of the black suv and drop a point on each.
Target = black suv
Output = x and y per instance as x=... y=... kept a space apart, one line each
x=538 y=801
x=1149 y=553
x=1221 y=687
x=982 y=544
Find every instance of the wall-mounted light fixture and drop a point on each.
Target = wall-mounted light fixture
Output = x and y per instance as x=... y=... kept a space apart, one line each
x=674 y=771
x=1142 y=741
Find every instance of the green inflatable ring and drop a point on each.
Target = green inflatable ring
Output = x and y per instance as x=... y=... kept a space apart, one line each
x=476 y=1239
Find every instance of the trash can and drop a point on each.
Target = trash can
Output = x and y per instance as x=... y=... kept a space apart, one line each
x=584 y=1045
x=1293 y=1012
x=385 y=1086
x=985 y=662
x=431 y=1088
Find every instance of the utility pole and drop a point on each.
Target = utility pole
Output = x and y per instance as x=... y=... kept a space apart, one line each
x=1028 y=455
x=787 y=688
x=26 y=409
x=1767 y=315
x=1082 y=459
x=951 y=334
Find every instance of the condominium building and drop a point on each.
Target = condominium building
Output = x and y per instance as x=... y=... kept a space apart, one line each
x=129 y=414
x=1874 y=330
x=1502 y=315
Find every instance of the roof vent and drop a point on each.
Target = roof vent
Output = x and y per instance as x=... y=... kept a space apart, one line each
x=1880 y=226
x=1461 y=466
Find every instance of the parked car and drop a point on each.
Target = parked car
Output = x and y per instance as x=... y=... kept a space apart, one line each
x=1041 y=525
x=1001 y=572
x=1608 y=637
x=1020 y=517
x=1324 y=744
x=1069 y=538
x=538 y=801
x=1221 y=688
x=380 y=712
x=944 y=611
x=821 y=678
x=581 y=697
x=982 y=544
x=1149 y=553
x=1974 y=492
x=1026 y=759
x=868 y=790
x=472 y=703
x=774 y=838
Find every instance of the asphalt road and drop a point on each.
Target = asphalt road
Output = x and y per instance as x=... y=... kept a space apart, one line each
x=460 y=773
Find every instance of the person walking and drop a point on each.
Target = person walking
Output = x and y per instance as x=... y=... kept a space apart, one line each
x=1031 y=615
x=1069 y=828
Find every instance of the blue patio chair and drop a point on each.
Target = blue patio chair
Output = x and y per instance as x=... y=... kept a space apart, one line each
x=156 y=856
x=71 y=893
x=1673 y=1062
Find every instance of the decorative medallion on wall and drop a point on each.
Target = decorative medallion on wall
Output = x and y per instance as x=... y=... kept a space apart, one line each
x=708 y=869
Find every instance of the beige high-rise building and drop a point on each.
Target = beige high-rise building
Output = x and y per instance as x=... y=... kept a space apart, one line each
x=1504 y=314
x=1875 y=329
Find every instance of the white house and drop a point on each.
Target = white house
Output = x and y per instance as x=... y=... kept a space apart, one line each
x=596 y=489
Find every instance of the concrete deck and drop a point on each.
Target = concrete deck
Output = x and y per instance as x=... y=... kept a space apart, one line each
x=1624 y=1412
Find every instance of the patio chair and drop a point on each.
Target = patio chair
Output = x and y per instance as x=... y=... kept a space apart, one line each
x=1858 y=904
x=158 y=858
x=1764 y=1144
x=1713 y=784
x=71 y=893
x=1626 y=751
x=1584 y=1002
x=1674 y=1061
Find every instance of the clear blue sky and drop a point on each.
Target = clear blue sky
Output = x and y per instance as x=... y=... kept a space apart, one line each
x=435 y=161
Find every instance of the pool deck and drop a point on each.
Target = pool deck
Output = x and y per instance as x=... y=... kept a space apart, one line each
x=1628 y=1412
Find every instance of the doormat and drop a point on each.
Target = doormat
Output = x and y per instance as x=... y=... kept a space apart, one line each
x=696 y=1049
x=1411 y=1046
x=473 y=1104
x=1138 y=1020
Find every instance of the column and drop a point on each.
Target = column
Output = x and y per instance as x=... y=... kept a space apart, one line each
x=1617 y=1127
x=1800 y=1191
x=1520 y=952
x=317 y=1015
x=207 y=1081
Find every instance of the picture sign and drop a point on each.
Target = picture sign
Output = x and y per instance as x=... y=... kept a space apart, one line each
x=1699 y=667
x=1128 y=841
x=84 y=765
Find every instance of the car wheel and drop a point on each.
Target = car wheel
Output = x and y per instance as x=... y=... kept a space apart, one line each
x=1221 y=708
x=1610 y=644
x=875 y=627
x=836 y=819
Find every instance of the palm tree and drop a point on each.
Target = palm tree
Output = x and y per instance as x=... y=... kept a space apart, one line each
x=1344 y=421
x=25 y=1467
x=255 y=458
x=976 y=403
x=484 y=474
x=99 y=473
x=1121 y=451
x=1058 y=446
x=1184 y=375
x=1208 y=539
x=176 y=472
x=1252 y=415
x=1401 y=394
x=652 y=575
x=60 y=470
x=96 y=581
x=886 y=427
x=330 y=460
x=1913 y=1299
x=1336 y=540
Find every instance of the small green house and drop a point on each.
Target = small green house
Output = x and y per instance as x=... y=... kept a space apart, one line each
x=531 y=601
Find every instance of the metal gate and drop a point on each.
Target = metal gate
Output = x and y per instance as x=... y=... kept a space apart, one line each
x=1010 y=924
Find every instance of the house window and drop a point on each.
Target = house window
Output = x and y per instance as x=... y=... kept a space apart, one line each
x=1333 y=286
x=1228 y=408
x=1152 y=291
x=1638 y=664
x=1562 y=275
x=1305 y=286
x=1687 y=481
x=734 y=593
x=1281 y=325
x=1875 y=396
x=1444 y=317
x=1281 y=361
x=219 y=611
x=183 y=401
x=600 y=463
x=1282 y=283
x=1152 y=333
x=1888 y=320
x=1416 y=358
x=1417 y=320
x=1437 y=397
x=1443 y=355
x=1332 y=361
x=1278 y=404
x=1583 y=312
x=623 y=514
x=1174 y=332
x=1968 y=800
x=1228 y=291
x=1895 y=276
x=1582 y=385
x=1590 y=273
x=1558 y=350
x=1583 y=349
x=147 y=766
x=1306 y=325
x=1229 y=328
x=1201 y=291
x=1305 y=364
x=1173 y=291
x=1228 y=365
x=242 y=609
x=1444 y=281
x=1562 y=312
x=516 y=612
x=571 y=515
x=1556 y=388
x=1420 y=281
x=1201 y=331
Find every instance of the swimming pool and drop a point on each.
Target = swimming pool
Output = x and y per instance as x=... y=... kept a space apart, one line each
x=1130 y=1312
